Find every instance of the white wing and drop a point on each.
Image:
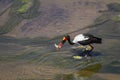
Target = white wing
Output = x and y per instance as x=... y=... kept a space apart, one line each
x=80 y=37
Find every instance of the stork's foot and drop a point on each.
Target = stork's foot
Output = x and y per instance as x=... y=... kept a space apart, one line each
x=77 y=57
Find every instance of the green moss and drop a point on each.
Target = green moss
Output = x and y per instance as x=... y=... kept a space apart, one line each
x=21 y=6
x=32 y=11
x=116 y=18
x=89 y=71
x=25 y=6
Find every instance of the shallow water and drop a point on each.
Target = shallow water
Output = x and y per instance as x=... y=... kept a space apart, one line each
x=43 y=61
x=39 y=60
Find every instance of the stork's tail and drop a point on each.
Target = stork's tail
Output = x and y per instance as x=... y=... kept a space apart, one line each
x=96 y=40
x=93 y=39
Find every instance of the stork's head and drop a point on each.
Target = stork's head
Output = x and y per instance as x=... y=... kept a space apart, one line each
x=64 y=39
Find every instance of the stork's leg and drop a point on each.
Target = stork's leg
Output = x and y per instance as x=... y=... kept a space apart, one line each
x=86 y=50
x=89 y=48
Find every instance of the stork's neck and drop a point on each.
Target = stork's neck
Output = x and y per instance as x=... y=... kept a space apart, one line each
x=69 y=41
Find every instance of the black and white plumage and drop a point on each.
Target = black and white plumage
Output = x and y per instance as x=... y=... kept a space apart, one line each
x=82 y=39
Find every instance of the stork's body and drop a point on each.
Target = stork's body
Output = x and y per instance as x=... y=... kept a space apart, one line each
x=83 y=39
